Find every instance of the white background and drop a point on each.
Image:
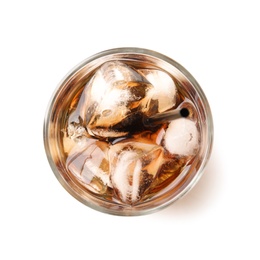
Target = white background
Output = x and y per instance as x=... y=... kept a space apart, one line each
x=217 y=41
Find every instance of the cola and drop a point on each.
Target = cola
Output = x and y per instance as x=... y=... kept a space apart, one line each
x=110 y=151
x=128 y=131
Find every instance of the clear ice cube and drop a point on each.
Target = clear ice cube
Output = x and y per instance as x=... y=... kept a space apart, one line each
x=133 y=167
x=76 y=132
x=113 y=100
x=164 y=89
x=88 y=162
x=182 y=137
x=169 y=171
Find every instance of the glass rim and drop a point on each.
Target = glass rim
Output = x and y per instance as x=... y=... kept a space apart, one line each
x=140 y=51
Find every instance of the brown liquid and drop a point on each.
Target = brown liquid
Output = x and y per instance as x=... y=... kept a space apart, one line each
x=107 y=149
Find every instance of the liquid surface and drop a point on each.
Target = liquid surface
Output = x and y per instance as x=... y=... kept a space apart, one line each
x=109 y=150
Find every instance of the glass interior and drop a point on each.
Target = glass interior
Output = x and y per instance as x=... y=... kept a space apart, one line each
x=69 y=92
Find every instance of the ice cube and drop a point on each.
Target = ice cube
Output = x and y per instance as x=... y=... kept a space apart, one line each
x=76 y=132
x=164 y=89
x=171 y=169
x=88 y=162
x=133 y=167
x=112 y=100
x=182 y=137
